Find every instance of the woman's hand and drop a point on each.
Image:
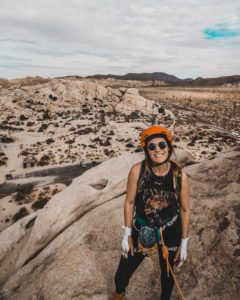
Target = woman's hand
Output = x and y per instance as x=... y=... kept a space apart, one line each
x=182 y=252
x=127 y=242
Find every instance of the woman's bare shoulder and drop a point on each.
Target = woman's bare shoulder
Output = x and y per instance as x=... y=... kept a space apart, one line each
x=135 y=170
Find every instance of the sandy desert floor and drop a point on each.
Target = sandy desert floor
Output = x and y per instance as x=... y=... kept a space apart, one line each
x=219 y=106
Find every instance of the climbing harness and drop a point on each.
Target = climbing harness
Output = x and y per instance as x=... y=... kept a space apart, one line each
x=147 y=244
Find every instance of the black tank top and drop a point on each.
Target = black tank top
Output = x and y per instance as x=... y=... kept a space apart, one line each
x=156 y=200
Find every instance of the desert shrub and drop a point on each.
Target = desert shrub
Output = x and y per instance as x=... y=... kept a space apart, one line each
x=44 y=160
x=106 y=143
x=191 y=144
x=111 y=132
x=138 y=149
x=40 y=203
x=129 y=145
x=16 y=123
x=134 y=114
x=19 y=196
x=70 y=141
x=195 y=138
x=54 y=98
x=24 y=153
x=2 y=162
x=211 y=140
x=43 y=127
x=84 y=131
x=2 y=154
x=29 y=101
x=30 y=124
x=126 y=118
x=55 y=191
x=46 y=115
x=108 y=153
x=23 y=118
x=22 y=190
x=25 y=188
x=92 y=146
x=97 y=139
x=6 y=139
x=20 y=214
x=50 y=141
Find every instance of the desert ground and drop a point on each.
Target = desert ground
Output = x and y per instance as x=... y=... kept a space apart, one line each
x=218 y=106
x=63 y=122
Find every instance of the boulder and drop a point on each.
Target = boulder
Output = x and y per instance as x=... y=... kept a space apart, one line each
x=94 y=187
x=183 y=157
x=74 y=246
x=131 y=101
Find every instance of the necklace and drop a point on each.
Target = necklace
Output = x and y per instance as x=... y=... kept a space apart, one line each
x=158 y=179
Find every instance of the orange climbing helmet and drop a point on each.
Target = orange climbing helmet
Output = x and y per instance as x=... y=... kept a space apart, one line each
x=155 y=131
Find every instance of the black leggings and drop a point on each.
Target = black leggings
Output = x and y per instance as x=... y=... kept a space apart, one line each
x=128 y=266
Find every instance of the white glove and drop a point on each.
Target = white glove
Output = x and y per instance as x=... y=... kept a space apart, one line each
x=183 y=253
x=125 y=244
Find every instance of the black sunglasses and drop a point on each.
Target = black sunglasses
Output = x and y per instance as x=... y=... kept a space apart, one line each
x=161 y=145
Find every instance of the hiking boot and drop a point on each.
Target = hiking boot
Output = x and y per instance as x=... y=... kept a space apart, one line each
x=116 y=296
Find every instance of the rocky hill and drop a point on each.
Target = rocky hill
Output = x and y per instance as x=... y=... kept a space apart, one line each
x=141 y=77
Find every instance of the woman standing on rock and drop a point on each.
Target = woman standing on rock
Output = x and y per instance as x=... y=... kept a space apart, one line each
x=156 y=211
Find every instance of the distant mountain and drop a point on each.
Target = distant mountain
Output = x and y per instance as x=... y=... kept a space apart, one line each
x=141 y=77
x=215 y=81
x=172 y=80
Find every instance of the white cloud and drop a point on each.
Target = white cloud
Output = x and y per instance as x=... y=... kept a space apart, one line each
x=56 y=37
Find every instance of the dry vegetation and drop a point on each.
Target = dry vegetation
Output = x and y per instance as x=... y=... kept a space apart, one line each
x=26 y=200
x=218 y=106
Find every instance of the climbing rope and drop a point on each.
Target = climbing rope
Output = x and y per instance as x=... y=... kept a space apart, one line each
x=165 y=255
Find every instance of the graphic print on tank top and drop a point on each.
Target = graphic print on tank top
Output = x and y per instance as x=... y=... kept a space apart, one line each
x=157 y=201
x=160 y=206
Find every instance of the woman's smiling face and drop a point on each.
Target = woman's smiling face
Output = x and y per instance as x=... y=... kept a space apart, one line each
x=158 y=155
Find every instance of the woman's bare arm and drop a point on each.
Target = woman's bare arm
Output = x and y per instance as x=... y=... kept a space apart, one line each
x=185 y=205
x=131 y=194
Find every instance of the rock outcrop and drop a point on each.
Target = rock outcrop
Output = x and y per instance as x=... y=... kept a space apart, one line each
x=73 y=248
x=131 y=101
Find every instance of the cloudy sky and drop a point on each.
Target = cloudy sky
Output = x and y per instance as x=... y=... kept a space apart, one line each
x=185 y=38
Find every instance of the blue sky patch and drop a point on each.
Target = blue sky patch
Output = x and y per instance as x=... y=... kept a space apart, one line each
x=220 y=31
